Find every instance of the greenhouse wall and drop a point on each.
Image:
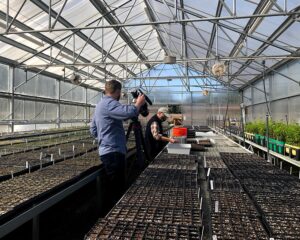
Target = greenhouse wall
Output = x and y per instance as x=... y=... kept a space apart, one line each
x=197 y=108
x=41 y=101
x=282 y=93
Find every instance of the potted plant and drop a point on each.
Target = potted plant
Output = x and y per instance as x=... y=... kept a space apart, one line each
x=279 y=133
x=250 y=130
x=261 y=130
x=292 y=146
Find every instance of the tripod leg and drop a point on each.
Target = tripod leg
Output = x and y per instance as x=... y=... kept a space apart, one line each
x=138 y=142
x=128 y=131
x=144 y=146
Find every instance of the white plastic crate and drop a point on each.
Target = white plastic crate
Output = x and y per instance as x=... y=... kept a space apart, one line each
x=178 y=148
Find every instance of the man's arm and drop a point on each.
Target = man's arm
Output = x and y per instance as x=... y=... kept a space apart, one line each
x=93 y=128
x=122 y=112
x=157 y=136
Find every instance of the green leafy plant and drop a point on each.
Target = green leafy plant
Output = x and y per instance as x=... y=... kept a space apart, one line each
x=272 y=127
x=261 y=127
x=280 y=131
x=277 y=130
x=250 y=127
x=293 y=134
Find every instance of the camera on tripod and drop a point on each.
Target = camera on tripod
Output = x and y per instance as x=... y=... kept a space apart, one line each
x=144 y=111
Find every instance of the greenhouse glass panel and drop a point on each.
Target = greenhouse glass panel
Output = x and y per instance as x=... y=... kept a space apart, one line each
x=4 y=109
x=33 y=110
x=294 y=106
x=4 y=78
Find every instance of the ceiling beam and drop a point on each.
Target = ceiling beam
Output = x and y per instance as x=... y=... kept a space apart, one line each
x=25 y=48
x=15 y=64
x=269 y=70
x=122 y=32
x=213 y=31
x=64 y=22
x=51 y=42
x=234 y=29
x=249 y=28
x=285 y=25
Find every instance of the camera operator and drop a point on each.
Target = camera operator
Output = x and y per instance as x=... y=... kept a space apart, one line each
x=107 y=127
x=154 y=138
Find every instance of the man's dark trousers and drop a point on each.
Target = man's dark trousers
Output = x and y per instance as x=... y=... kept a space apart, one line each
x=115 y=177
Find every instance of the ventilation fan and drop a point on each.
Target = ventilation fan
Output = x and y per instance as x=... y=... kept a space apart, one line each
x=75 y=79
x=205 y=92
x=218 y=69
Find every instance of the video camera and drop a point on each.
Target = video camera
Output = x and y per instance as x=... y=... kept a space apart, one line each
x=144 y=111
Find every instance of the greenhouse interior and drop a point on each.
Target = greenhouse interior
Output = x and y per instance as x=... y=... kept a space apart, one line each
x=149 y=119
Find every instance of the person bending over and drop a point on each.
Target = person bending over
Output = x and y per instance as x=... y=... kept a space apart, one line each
x=154 y=137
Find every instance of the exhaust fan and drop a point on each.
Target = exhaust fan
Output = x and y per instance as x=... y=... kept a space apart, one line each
x=205 y=92
x=75 y=79
x=218 y=69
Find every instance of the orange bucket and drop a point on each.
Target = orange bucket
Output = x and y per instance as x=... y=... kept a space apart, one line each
x=179 y=132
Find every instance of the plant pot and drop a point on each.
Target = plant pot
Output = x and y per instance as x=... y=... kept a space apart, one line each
x=292 y=151
x=249 y=136
x=279 y=146
x=262 y=141
x=272 y=144
x=257 y=138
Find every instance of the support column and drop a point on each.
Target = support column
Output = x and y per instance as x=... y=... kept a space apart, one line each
x=58 y=104
x=11 y=75
x=281 y=164
x=36 y=228
x=86 y=108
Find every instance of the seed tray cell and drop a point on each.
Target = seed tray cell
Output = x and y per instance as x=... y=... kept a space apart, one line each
x=284 y=225
x=136 y=230
x=269 y=186
x=220 y=174
x=17 y=191
x=8 y=149
x=215 y=162
x=215 y=154
x=179 y=182
x=237 y=227
x=173 y=166
x=168 y=178
x=19 y=160
x=268 y=175
x=232 y=202
x=175 y=159
x=162 y=191
x=222 y=143
x=230 y=149
x=226 y=186
x=288 y=205
x=172 y=200
x=156 y=215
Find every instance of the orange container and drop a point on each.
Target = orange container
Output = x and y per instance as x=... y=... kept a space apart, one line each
x=179 y=132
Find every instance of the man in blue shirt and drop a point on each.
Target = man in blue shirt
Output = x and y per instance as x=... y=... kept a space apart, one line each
x=107 y=127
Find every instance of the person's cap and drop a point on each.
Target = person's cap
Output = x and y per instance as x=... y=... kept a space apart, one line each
x=165 y=111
